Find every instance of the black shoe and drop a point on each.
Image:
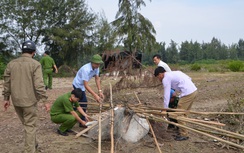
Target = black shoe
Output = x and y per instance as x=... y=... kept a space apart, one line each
x=62 y=133
x=181 y=138
x=69 y=131
x=46 y=87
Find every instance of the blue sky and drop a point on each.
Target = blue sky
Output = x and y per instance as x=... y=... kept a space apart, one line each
x=181 y=20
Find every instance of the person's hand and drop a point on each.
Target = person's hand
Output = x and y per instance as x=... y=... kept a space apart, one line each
x=101 y=95
x=83 y=123
x=98 y=98
x=6 y=104
x=56 y=71
x=47 y=106
x=87 y=118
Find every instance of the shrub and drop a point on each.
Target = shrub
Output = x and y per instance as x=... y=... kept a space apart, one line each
x=195 y=67
x=2 y=68
x=235 y=66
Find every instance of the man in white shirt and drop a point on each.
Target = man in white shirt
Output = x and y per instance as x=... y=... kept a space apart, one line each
x=182 y=83
x=157 y=60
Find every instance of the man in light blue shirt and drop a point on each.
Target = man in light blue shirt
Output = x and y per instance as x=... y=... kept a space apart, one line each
x=84 y=75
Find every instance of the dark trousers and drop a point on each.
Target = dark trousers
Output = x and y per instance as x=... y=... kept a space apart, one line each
x=83 y=100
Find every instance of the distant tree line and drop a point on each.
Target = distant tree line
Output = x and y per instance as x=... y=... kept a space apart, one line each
x=190 y=52
x=72 y=32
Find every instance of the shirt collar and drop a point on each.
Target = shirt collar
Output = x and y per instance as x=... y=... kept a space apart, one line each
x=26 y=55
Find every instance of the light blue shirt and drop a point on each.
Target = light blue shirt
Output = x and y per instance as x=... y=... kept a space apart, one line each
x=85 y=73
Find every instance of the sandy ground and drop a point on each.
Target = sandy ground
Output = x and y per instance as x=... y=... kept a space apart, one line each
x=214 y=91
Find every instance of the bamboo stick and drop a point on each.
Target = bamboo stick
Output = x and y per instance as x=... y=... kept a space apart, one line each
x=85 y=130
x=100 y=129
x=112 y=120
x=199 y=132
x=206 y=122
x=154 y=137
x=211 y=127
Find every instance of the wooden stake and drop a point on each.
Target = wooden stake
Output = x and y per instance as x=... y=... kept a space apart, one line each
x=154 y=137
x=199 y=132
x=85 y=130
x=112 y=120
x=100 y=129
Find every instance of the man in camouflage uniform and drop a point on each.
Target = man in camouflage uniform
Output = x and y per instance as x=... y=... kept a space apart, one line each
x=48 y=64
x=24 y=84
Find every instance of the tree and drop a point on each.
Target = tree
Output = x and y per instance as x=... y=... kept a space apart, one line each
x=240 y=49
x=132 y=28
x=65 y=27
x=105 y=37
x=172 y=52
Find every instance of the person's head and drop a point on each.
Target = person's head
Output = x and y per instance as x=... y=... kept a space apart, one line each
x=29 y=47
x=76 y=95
x=156 y=59
x=96 y=61
x=159 y=73
x=46 y=52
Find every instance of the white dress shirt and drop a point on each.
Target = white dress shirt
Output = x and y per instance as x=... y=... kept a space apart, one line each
x=178 y=81
x=164 y=65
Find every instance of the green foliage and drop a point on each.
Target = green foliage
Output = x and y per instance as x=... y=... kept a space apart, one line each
x=2 y=67
x=195 y=67
x=207 y=61
x=236 y=66
x=132 y=28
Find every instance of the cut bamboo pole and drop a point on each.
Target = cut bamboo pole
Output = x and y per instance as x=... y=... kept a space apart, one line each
x=112 y=119
x=100 y=129
x=85 y=130
x=199 y=132
x=206 y=122
x=154 y=137
x=240 y=136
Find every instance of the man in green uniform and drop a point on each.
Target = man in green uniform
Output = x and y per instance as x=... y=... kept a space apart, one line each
x=48 y=64
x=23 y=82
x=62 y=111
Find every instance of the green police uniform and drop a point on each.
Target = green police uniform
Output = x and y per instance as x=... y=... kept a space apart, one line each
x=60 y=112
x=23 y=82
x=47 y=63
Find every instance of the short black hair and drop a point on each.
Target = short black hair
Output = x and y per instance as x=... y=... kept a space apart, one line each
x=47 y=52
x=77 y=92
x=159 y=70
x=157 y=55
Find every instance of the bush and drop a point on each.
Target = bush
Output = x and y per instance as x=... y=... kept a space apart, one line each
x=236 y=66
x=2 y=68
x=195 y=67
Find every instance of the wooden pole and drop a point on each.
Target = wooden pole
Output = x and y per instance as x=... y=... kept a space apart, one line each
x=112 y=119
x=240 y=136
x=85 y=130
x=100 y=129
x=154 y=137
x=199 y=132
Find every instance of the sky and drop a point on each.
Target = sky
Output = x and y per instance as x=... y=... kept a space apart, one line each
x=187 y=20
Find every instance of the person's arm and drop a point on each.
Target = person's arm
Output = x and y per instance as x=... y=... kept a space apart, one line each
x=83 y=113
x=167 y=89
x=56 y=69
x=88 y=88
x=78 y=118
x=97 y=80
x=39 y=87
x=6 y=88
